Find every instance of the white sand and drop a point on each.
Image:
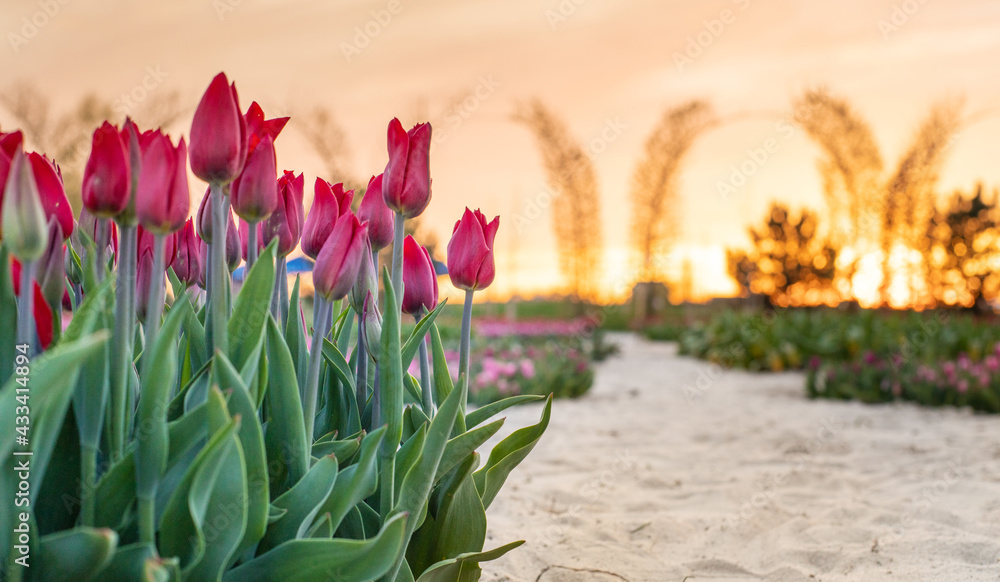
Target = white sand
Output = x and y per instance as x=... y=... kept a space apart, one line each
x=746 y=480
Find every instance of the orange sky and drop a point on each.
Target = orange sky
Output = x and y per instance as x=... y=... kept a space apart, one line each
x=600 y=63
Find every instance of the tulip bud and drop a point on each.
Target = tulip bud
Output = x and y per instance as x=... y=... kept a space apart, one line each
x=25 y=232
x=88 y=224
x=218 y=134
x=420 y=288
x=329 y=203
x=406 y=186
x=470 y=252
x=162 y=197
x=49 y=180
x=379 y=217
x=144 y=243
x=143 y=282
x=107 y=178
x=373 y=326
x=339 y=261
x=52 y=266
x=285 y=222
x=367 y=281
x=232 y=245
x=254 y=194
x=187 y=260
x=203 y=220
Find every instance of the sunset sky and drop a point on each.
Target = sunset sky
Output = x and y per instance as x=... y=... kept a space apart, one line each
x=607 y=67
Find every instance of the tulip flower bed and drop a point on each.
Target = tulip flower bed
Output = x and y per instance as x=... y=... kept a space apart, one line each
x=209 y=438
x=783 y=340
x=958 y=382
x=538 y=357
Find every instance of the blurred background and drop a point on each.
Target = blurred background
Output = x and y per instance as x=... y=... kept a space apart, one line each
x=636 y=150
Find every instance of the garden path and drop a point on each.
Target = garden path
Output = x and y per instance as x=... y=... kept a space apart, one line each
x=671 y=469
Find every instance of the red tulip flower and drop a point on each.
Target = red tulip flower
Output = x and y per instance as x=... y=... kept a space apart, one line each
x=41 y=311
x=406 y=186
x=162 y=199
x=107 y=178
x=254 y=194
x=470 y=252
x=339 y=261
x=329 y=203
x=420 y=287
x=187 y=260
x=218 y=134
x=377 y=214
x=285 y=222
x=49 y=180
x=10 y=143
x=144 y=244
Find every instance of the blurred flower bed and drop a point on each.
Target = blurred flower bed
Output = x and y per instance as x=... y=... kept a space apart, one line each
x=937 y=358
x=962 y=381
x=511 y=358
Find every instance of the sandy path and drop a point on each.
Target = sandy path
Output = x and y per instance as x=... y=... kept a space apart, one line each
x=745 y=479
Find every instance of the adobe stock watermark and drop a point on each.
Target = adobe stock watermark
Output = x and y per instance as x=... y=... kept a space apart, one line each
x=928 y=497
x=829 y=427
x=534 y=207
x=364 y=34
x=899 y=17
x=465 y=107
x=711 y=30
x=224 y=7
x=562 y=12
x=757 y=157
x=32 y=24
x=125 y=103
x=592 y=490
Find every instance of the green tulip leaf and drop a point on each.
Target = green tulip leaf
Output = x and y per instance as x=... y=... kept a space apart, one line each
x=302 y=504
x=481 y=414
x=324 y=560
x=75 y=555
x=507 y=455
x=287 y=447
x=464 y=568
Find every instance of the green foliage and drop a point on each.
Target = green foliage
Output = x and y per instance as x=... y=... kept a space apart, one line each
x=218 y=479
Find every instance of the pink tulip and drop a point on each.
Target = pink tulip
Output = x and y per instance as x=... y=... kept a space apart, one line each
x=406 y=186
x=107 y=178
x=162 y=199
x=218 y=134
x=187 y=260
x=10 y=143
x=285 y=222
x=339 y=260
x=420 y=288
x=470 y=252
x=329 y=203
x=377 y=214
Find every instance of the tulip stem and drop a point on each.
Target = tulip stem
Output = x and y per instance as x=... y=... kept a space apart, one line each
x=283 y=291
x=88 y=474
x=397 y=256
x=276 y=310
x=101 y=233
x=154 y=303
x=25 y=307
x=122 y=348
x=251 y=248
x=426 y=397
x=218 y=271
x=361 y=383
x=321 y=309
x=463 y=358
